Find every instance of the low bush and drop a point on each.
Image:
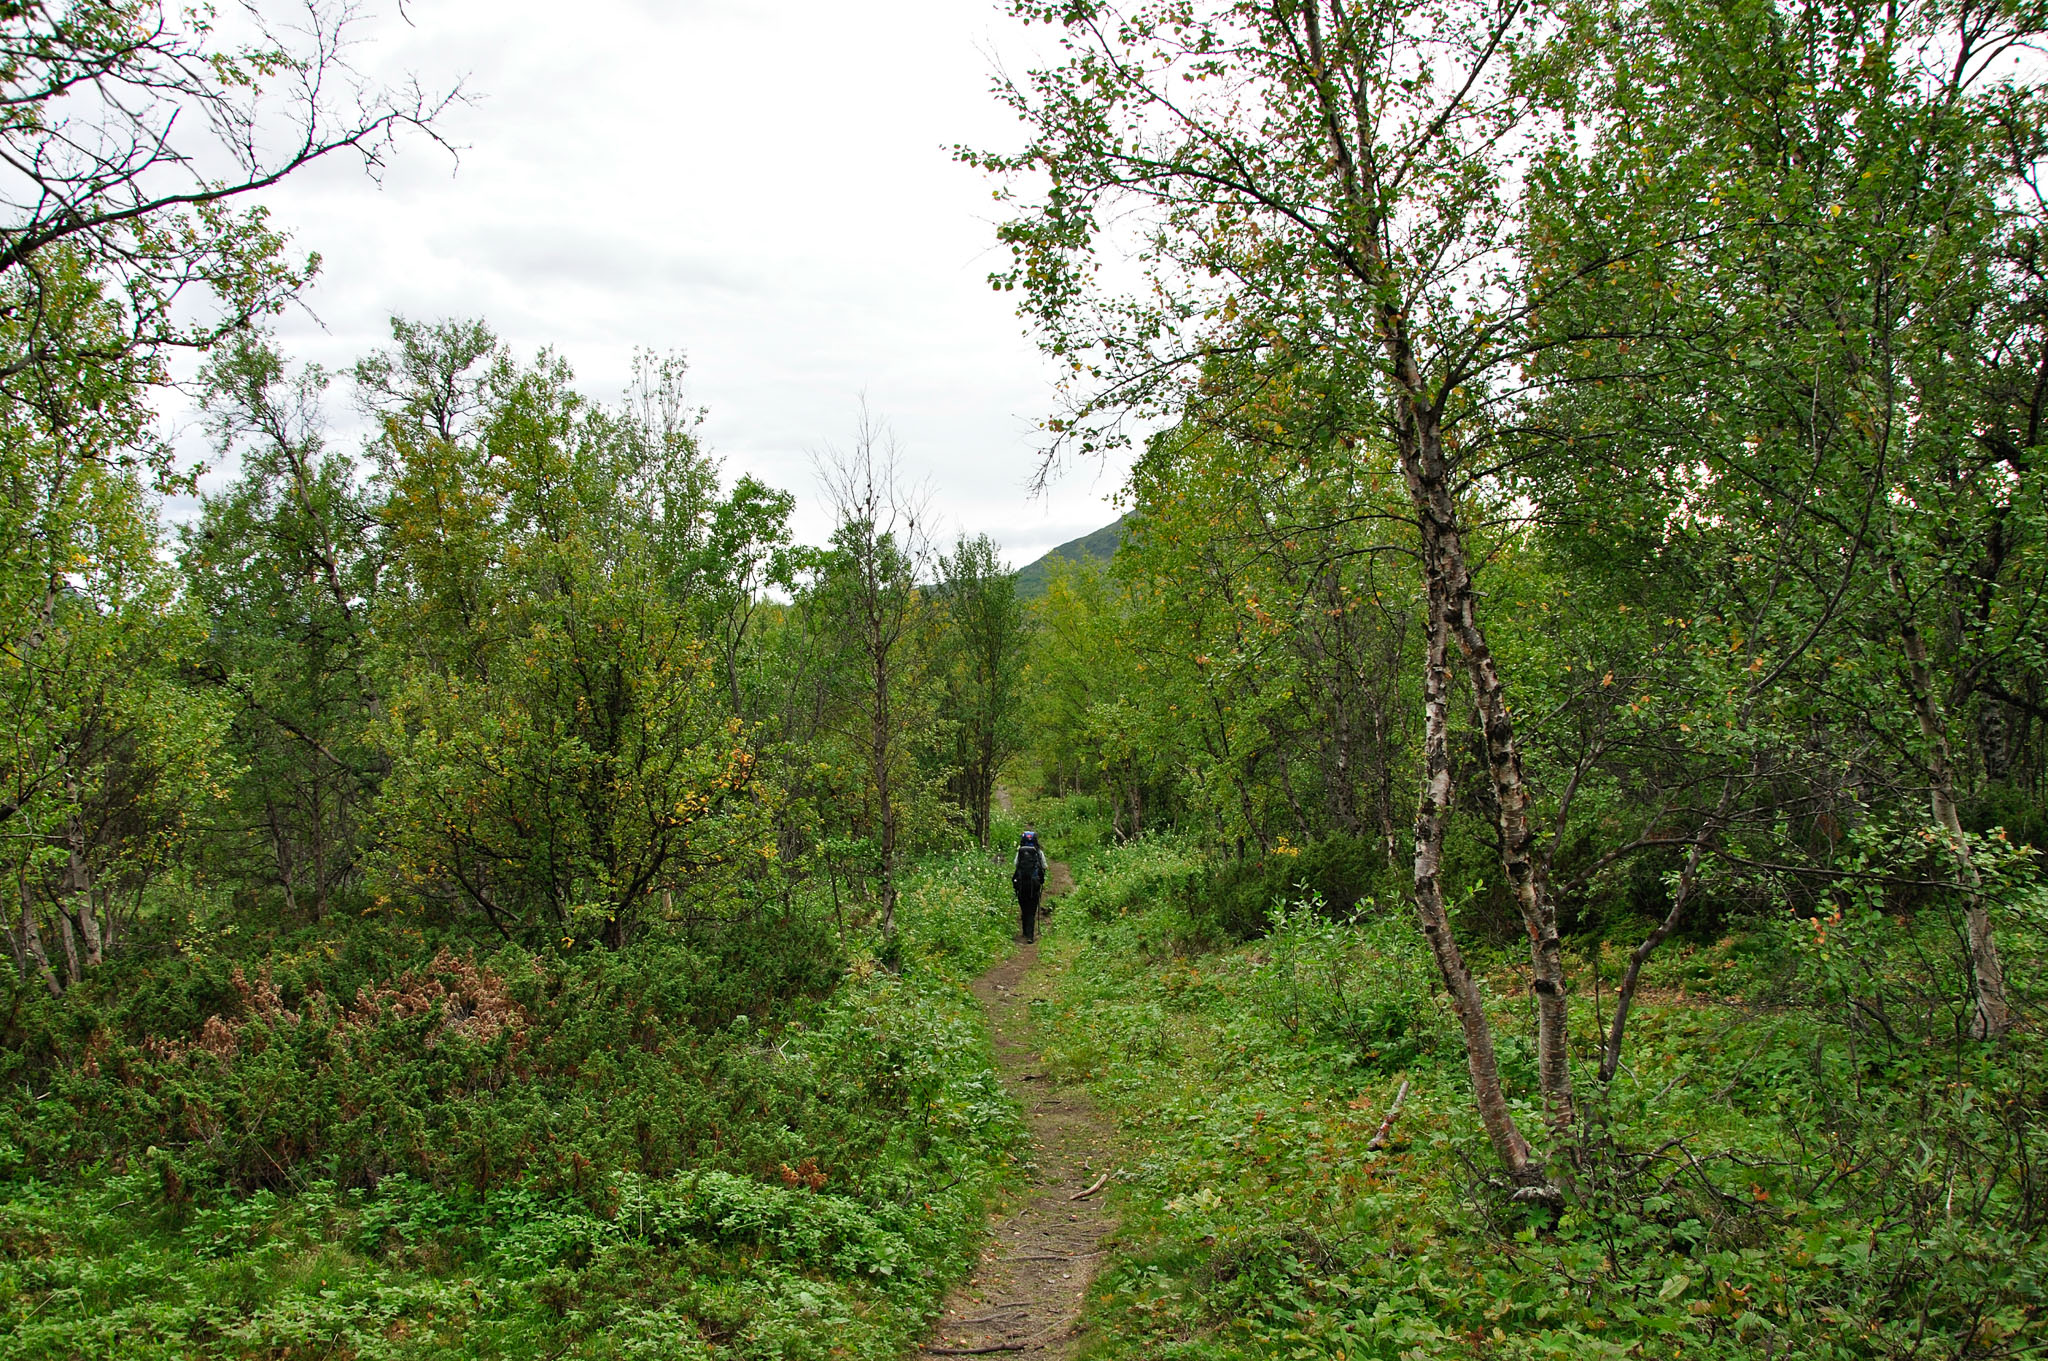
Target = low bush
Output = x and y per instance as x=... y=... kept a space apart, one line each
x=751 y=1141
x=1187 y=899
x=1339 y=872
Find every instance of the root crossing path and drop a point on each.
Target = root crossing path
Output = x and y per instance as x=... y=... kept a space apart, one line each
x=1025 y=1296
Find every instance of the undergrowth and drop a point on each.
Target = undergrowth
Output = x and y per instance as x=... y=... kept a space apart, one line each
x=1777 y=1172
x=747 y=1142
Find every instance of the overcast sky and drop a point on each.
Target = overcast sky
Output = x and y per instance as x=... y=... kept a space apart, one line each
x=768 y=188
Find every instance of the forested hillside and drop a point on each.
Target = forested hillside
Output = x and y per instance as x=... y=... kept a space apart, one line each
x=1552 y=754
x=1034 y=578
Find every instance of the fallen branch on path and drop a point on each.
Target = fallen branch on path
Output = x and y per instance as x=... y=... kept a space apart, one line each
x=1387 y=1125
x=1099 y=1183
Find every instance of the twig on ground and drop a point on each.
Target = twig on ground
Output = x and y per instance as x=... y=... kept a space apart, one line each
x=1037 y=1339
x=978 y=1351
x=1387 y=1125
x=1665 y=1090
x=1098 y=1184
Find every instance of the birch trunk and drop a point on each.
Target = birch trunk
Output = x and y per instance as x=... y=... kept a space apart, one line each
x=32 y=941
x=1355 y=136
x=1991 y=1013
x=1432 y=815
x=1427 y=474
x=70 y=940
x=1688 y=881
x=75 y=894
x=1625 y=995
x=881 y=742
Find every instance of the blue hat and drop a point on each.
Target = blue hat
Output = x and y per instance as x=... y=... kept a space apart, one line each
x=1031 y=836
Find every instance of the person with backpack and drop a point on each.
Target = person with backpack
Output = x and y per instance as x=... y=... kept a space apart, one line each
x=1028 y=879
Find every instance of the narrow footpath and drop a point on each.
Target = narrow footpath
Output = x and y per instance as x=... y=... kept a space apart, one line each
x=1026 y=1294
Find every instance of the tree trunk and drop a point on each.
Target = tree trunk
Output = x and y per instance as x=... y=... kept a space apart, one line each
x=280 y=856
x=1625 y=995
x=1688 y=880
x=1994 y=739
x=1383 y=779
x=879 y=737
x=1432 y=815
x=72 y=973
x=74 y=896
x=1991 y=1013
x=1453 y=606
x=1428 y=481
x=985 y=784
x=32 y=941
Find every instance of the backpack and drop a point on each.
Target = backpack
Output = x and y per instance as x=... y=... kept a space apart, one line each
x=1030 y=871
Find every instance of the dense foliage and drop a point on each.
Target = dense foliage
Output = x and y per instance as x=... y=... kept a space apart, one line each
x=1594 y=506
x=458 y=904
x=1599 y=477
x=725 y=1142
x=1770 y=1176
x=455 y=877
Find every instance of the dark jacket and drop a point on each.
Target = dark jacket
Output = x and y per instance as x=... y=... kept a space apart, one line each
x=1029 y=875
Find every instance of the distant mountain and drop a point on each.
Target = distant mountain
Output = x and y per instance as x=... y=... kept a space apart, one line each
x=1100 y=546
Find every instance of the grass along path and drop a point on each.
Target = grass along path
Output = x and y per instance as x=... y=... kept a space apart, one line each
x=1025 y=1296
x=1751 y=1188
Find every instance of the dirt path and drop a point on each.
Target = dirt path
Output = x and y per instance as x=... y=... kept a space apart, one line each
x=1026 y=1294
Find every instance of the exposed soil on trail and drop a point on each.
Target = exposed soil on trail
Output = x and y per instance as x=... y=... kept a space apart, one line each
x=1025 y=1296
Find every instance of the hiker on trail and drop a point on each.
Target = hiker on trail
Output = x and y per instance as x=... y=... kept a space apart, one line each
x=1028 y=878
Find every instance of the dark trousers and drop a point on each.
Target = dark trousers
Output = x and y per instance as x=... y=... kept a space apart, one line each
x=1027 y=912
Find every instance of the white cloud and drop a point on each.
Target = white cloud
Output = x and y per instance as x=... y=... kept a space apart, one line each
x=768 y=188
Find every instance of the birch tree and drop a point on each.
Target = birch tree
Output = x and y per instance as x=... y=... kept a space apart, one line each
x=1820 y=344
x=1314 y=178
x=881 y=550
x=985 y=653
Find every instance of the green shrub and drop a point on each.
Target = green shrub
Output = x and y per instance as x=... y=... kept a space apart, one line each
x=459 y=1071
x=1803 y=1159
x=1356 y=988
x=741 y=1141
x=1219 y=901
